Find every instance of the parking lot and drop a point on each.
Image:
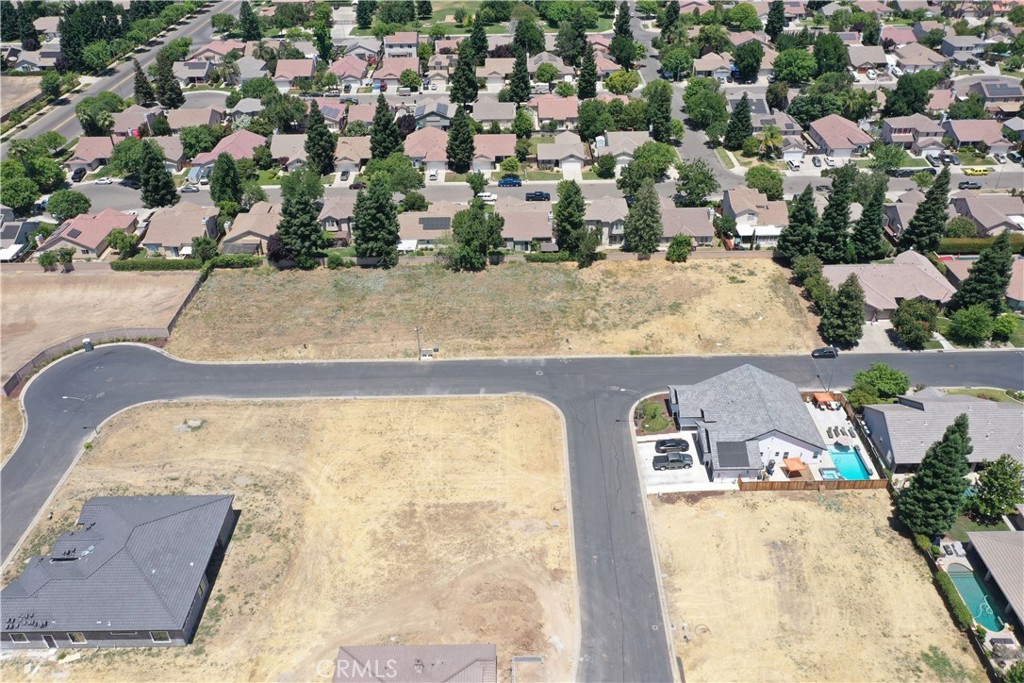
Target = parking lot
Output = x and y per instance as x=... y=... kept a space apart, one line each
x=670 y=481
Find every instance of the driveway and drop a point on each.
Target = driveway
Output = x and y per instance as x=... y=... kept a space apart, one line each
x=876 y=339
x=671 y=481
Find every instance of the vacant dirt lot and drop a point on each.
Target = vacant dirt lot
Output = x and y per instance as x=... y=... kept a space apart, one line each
x=802 y=587
x=362 y=522
x=17 y=90
x=517 y=309
x=41 y=309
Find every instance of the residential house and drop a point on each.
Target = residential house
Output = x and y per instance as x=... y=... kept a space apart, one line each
x=495 y=72
x=900 y=35
x=492 y=149
x=621 y=145
x=290 y=72
x=526 y=223
x=864 y=57
x=697 y=223
x=758 y=105
x=100 y=586
x=336 y=218
x=351 y=154
x=247 y=106
x=487 y=112
x=239 y=145
x=361 y=112
x=557 y=113
x=767 y=68
x=1001 y=95
x=1000 y=555
x=462 y=663
x=334 y=112
x=566 y=153
x=910 y=276
x=350 y=71
x=216 y=50
x=993 y=214
x=435 y=114
x=26 y=61
x=881 y=10
x=914 y=57
x=607 y=215
x=387 y=74
x=904 y=431
x=957 y=271
x=366 y=48
x=565 y=73
x=940 y=100
x=602 y=42
x=88 y=233
x=171 y=228
x=307 y=48
x=427 y=147
x=916 y=132
x=758 y=220
x=192 y=72
x=129 y=121
x=839 y=137
x=713 y=65
x=185 y=118
x=738 y=38
x=984 y=134
x=692 y=6
x=401 y=44
x=1014 y=126
x=174 y=152
x=250 y=231
x=744 y=421
x=898 y=215
x=447 y=46
x=249 y=69
x=793 y=145
x=91 y=153
x=288 y=150
x=961 y=49
x=47 y=28
x=606 y=66
x=14 y=234
x=849 y=38
x=831 y=8
x=424 y=229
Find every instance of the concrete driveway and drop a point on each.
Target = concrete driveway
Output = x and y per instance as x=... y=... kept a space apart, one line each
x=670 y=481
x=876 y=339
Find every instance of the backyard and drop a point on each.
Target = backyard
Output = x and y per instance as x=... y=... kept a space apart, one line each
x=516 y=309
x=801 y=587
x=453 y=529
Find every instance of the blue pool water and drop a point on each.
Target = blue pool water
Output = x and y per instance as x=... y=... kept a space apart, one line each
x=983 y=608
x=848 y=463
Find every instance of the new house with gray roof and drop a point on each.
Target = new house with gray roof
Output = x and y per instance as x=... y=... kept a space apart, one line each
x=135 y=572
x=744 y=419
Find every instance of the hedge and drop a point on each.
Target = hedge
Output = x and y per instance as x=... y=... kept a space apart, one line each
x=548 y=256
x=157 y=264
x=236 y=261
x=961 y=613
x=974 y=245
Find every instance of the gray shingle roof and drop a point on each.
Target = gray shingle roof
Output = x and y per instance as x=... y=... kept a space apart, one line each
x=1003 y=555
x=134 y=564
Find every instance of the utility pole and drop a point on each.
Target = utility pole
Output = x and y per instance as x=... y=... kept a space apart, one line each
x=419 y=347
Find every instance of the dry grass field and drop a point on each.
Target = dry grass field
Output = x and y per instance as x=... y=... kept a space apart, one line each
x=17 y=90
x=516 y=309
x=361 y=522
x=802 y=587
x=41 y=309
x=11 y=424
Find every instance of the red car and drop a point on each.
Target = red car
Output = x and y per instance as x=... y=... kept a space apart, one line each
x=357 y=186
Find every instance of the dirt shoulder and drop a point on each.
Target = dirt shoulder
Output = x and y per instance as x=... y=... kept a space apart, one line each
x=802 y=587
x=12 y=422
x=516 y=309
x=362 y=522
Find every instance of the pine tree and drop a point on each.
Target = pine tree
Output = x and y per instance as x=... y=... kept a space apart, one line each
x=249 y=23
x=834 y=227
x=519 y=81
x=571 y=39
x=364 y=13
x=932 y=502
x=157 y=185
x=424 y=9
x=799 y=236
x=669 y=21
x=740 y=127
x=225 y=185
x=460 y=142
x=143 y=89
x=464 y=85
x=384 y=137
x=587 y=85
x=568 y=215
x=643 y=230
x=375 y=222
x=168 y=92
x=320 y=142
x=924 y=231
x=659 y=109
x=299 y=227
x=989 y=276
x=867 y=233
x=528 y=38
x=478 y=40
x=842 y=321
x=776 y=19
x=622 y=47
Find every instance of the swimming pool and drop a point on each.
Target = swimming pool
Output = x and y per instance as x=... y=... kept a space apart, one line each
x=983 y=607
x=848 y=462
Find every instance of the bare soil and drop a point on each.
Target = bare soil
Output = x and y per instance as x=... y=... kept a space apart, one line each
x=516 y=309
x=17 y=90
x=362 y=522
x=802 y=587
x=12 y=422
x=41 y=309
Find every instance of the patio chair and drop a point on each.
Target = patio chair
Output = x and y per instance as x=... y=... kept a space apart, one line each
x=958 y=548
x=829 y=433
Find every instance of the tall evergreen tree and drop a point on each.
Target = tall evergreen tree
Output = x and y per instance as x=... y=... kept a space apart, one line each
x=157 y=185
x=168 y=91
x=659 y=109
x=587 y=85
x=568 y=216
x=299 y=227
x=478 y=39
x=799 y=236
x=464 y=85
x=249 y=23
x=924 y=231
x=776 y=19
x=375 y=222
x=834 y=227
x=424 y=9
x=143 y=90
x=320 y=142
x=867 y=233
x=643 y=230
x=740 y=127
x=460 y=142
x=364 y=13
x=842 y=321
x=988 y=278
x=623 y=48
x=225 y=185
x=669 y=22
x=932 y=502
x=384 y=137
x=519 y=81
x=528 y=37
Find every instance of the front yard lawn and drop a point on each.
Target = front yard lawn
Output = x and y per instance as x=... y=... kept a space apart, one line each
x=269 y=177
x=653 y=416
x=543 y=175
x=997 y=395
x=964 y=524
x=971 y=159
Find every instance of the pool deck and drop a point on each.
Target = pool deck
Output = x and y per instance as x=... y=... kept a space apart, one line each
x=823 y=419
x=945 y=562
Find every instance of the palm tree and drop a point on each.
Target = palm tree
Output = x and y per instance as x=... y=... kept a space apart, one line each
x=95 y=121
x=771 y=141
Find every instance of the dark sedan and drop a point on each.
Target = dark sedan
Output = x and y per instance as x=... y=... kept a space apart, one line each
x=671 y=445
x=825 y=352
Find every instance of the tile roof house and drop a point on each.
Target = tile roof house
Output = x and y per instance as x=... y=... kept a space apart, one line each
x=602 y=42
x=365 y=48
x=961 y=48
x=713 y=65
x=427 y=147
x=435 y=114
x=351 y=153
x=336 y=218
x=350 y=70
x=526 y=223
x=914 y=57
x=361 y=112
x=916 y=132
x=391 y=70
x=697 y=223
x=758 y=220
x=620 y=144
x=424 y=663
x=334 y=111
x=423 y=229
x=192 y=72
x=563 y=111
x=174 y=152
x=216 y=50
x=957 y=271
x=993 y=214
x=565 y=73
x=940 y=100
x=184 y=118
x=131 y=119
x=901 y=35
x=250 y=231
x=288 y=150
x=91 y=153
x=1002 y=555
x=566 y=153
x=291 y=71
x=1002 y=95
x=135 y=572
x=606 y=66
x=494 y=72
x=88 y=233
x=902 y=432
x=249 y=69
x=401 y=44
x=745 y=418
x=987 y=133
x=839 y=137
x=910 y=276
x=864 y=57
x=492 y=149
x=873 y=7
x=607 y=215
x=171 y=228
x=487 y=112
x=48 y=27
x=240 y=145
x=247 y=106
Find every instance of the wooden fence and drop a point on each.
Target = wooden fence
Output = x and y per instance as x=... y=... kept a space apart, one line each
x=805 y=485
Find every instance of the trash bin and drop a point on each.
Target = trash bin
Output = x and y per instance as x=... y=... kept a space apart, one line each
x=87 y=343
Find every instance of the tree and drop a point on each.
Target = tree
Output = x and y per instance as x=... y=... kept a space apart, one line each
x=924 y=231
x=999 y=488
x=402 y=175
x=464 y=87
x=157 y=185
x=194 y=140
x=776 y=19
x=676 y=61
x=65 y=204
x=867 y=240
x=743 y=17
x=565 y=89
x=594 y=120
x=252 y=192
x=923 y=180
x=224 y=23
x=794 y=66
x=622 y=48
x=961 y=226
x=460 y=147
x=830 y=53
x=424 y=9
x=522 y=125
x=475 y=233
x=478 y=41
x=713 y=38
x=765 y=179
x=571 y=38
x=123 y=243
x=988 y=278
x=477 y=182
x=696 y=181
x=883 y=381
x=168 y=92
x=588 y=73
x=249 y=23
x=798 y=236
x=770 y=143
x=410 y=79
x=971 y=108
x=739 y=128
x=777 y=95
x=620 y=82
x=204 y=248
x=910 y=97
x=320 y=142
x=842 y=321
x=48 y=259
x=887 y=158
x=834 y=227
x=679 y=249
x=528 y=37
x=705 y=104
x=384 y=137
x=299 y=226
x=972 y=326
x=913 y=321
x=659 y=110
x=519 y=81
x=50 y=84
x=748 y=58
x=225 y=185
x=651 y=161
x=568 y=216
x=160 y=126
x=375 y=223
x=934 y=498
x=642 y=230
x=97 y=55
x=143 y=90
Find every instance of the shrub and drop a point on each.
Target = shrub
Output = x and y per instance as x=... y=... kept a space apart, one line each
x=961 y=614
x=157 y=264
x=974 y=245
x=819 y=290
x=923 y=543
x=236 y=261
x=806 y=266
x=1004 y=326
x=972 y=326
x=548 y=257
x=751 y=147
x=679 y=249
x=336 y=260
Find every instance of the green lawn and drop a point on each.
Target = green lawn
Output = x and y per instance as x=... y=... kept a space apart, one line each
x=603 y=24
x=538 y=140
x=932 y=344
x=997 y=395
x=965 y=524
x=590 y=175
x=543 y=175
x=971 y=159
x=269 y=177
x=455 y=177
x=347 y=252
x=914 y=162
x=724 y=157
x=1017 y=338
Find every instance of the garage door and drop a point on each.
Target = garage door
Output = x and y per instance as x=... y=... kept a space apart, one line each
x=572 y=170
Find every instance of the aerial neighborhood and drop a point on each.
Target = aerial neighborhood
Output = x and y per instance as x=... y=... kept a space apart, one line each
x=806 y=216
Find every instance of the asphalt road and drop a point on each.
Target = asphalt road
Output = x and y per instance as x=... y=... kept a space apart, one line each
x=624 y=634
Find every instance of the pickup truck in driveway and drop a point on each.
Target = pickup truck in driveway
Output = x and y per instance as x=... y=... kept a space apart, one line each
x=672 y=461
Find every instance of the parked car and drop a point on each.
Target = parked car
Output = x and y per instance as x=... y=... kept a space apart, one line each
x=538 y=196
x=432 y=175
x=825 y=352
x=433 y=86
x=348 y=88
x=872 y=74
x=205 y=180
x=510 y=181
x=1014 y=157
x=672 y=461
x=932 y=160
x=105 y=181
x=357 y=186
x=927 y=169
x=671 y=445
x=822 y=188
x=1000 y=159
x=977 y=171
x=830 y=162
x=188 y=189
x=901 y=172
x=969 y=185
x=343 y=176
x=487 y=197
x=896 y=71
x=132 y=183
x=78 y=175
x=383 y=87
x=793 y=166
x=816 y=161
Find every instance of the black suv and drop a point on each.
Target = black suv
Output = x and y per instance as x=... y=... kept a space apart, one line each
x=131 y=183
x=78 y=175
x=671 y=445
x=672 y=461
x=538 y=196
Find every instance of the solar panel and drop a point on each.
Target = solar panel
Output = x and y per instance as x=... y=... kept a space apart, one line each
x=435 y=222
x=74 y=232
